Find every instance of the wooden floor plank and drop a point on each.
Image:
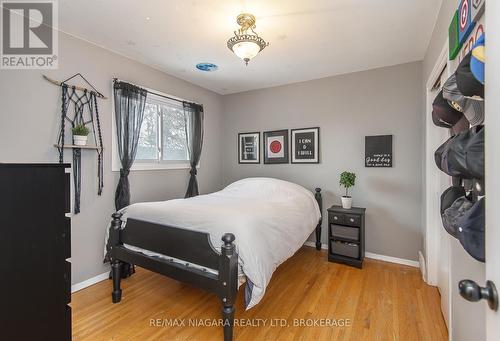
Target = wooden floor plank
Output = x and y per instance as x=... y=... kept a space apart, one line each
x=383 y=301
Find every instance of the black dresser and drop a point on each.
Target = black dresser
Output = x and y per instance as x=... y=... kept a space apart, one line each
x=35 y=243
x=346 y=235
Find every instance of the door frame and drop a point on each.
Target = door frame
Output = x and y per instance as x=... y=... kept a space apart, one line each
x=433 y=188
x=431 y=208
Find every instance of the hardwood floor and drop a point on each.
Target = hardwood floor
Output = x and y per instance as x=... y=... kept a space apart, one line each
x=383 y=301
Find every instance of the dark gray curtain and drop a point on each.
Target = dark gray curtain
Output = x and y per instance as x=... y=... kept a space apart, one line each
x=193 y=114
x=130 y=101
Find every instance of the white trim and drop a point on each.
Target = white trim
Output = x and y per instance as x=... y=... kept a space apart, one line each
x=432 y=185
x=147 y=166
x=412 y=263
x=91 y=281
x=421 y=261
x=313 y=244
x=390 y=259
x=143 y=165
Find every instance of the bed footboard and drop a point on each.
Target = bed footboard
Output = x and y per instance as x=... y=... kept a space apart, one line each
x=187 y=245
x=319 y=200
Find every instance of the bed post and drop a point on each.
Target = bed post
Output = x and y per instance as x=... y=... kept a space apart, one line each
x=114 y=236
x=228 y=281
x=319 y=199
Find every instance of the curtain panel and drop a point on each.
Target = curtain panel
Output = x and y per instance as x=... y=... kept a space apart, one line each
x=193 y=114
x=130 y=101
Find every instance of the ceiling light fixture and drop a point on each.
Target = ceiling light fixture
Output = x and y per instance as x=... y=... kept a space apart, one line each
x=246 y=43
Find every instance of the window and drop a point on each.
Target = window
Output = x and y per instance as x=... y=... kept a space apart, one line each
x=163 y=132
x=162 y=140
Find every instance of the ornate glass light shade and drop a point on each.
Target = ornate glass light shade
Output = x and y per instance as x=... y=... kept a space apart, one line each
x=246 y=43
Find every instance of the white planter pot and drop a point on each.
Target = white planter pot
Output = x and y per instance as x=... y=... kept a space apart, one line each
x=346 y=202
x=80 y=140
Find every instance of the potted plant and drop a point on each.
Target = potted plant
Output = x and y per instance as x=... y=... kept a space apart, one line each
x=347 y=180
x=80 y=134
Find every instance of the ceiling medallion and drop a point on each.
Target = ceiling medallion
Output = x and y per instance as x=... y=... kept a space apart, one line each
x=246 y=43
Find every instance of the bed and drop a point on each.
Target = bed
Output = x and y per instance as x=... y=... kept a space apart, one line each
x=256 y=223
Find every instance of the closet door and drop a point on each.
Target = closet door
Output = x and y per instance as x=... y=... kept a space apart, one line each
x=468 y=318
x=493 y=163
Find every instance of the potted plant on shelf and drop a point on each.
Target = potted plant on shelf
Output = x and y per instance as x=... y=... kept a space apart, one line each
x=347 y=180
x=80 y=134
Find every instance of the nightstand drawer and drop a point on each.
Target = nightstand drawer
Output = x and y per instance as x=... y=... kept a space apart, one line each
x=352 y=220
x=345 y=249
x=336 y=218
x=347 y=232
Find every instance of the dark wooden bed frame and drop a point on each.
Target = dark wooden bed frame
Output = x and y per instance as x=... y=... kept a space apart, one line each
x=187 y=245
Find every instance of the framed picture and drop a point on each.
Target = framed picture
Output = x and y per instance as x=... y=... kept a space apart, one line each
x=249 y=148
x=276 y=146
x=305 y=145
x=378 y=151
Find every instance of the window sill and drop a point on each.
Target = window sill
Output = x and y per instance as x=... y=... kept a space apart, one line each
x=155 y=166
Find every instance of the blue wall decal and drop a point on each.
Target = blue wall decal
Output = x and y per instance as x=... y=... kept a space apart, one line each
x=208 y=67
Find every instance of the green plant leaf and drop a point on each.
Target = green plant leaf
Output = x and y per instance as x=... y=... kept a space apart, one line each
x=81 y=130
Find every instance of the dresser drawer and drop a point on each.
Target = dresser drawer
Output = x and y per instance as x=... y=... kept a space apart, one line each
x=345 y=249
x=67 y=192
x=335 y=218
x=347 y=232
x=67 y=282
x=66 y=328
x=66 y=238
x=352 y=220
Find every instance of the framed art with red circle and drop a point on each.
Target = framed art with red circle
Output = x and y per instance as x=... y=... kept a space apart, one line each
x=276 y=146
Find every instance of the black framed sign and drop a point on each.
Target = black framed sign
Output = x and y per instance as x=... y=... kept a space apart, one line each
x=305 y=145
x=276 y=146
x=249 y=148
x=378 y=151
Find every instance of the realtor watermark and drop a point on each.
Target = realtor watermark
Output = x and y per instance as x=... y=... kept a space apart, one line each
x=29 y=37
x=255 y=322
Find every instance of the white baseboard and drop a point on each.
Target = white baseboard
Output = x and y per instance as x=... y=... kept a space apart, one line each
x=91 y=281
x=423 y=269
x=313 y=244
x=371 y=255
x=390 y=259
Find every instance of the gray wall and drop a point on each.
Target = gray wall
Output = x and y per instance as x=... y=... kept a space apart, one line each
x=29 y=121
x=346 y=108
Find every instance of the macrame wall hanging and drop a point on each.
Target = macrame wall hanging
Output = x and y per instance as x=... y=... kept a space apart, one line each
x=79 y=107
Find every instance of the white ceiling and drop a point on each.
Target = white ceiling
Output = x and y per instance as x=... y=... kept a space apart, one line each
x=309 y=39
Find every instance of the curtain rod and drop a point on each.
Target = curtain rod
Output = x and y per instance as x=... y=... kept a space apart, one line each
x=157 y=94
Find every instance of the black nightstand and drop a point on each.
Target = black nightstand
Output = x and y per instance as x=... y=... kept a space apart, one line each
x=346 y=235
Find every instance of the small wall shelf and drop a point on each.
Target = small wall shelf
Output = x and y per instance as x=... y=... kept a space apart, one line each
x=72 y=146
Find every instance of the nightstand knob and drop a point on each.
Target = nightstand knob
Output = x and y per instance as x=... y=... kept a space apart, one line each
x=334 y=218
x=352 y=220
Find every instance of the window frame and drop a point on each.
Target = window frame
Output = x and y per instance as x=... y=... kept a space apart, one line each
x=145 y=165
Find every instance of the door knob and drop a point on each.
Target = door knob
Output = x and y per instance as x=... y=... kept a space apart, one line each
x=472 y=292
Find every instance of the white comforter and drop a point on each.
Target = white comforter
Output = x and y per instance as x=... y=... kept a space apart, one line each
x=271 y=219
